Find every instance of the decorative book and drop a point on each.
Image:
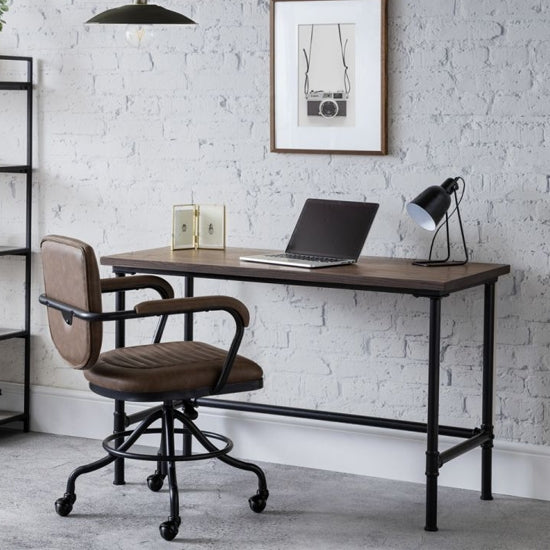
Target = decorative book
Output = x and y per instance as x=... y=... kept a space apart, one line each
x=198 y=226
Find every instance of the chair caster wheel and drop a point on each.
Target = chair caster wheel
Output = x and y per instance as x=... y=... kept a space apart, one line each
x=64 y=505
x=258 y=501
x=169 y=529
x=155 y=482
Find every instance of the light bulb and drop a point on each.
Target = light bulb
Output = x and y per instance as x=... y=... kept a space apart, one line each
x=139 y=35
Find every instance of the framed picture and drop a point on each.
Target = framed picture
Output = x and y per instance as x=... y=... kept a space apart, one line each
x=183 y=226
x=211 y=226
x=328 y=76
x=198 y=226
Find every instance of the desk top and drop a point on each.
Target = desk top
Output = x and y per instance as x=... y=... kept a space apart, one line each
x=369 y=273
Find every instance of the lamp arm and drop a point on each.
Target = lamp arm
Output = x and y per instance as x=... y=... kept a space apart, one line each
x=466 y=258
x=458 y=201
x=449 y=216
x=446 y=224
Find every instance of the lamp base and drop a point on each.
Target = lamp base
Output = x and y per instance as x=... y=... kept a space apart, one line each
x=438 y=263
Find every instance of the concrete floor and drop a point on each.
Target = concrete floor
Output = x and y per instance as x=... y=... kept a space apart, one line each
x=307 y=509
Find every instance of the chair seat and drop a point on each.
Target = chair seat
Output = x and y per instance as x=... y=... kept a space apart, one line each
x=168 y=368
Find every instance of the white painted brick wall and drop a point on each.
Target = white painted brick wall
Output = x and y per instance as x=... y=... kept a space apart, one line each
x=122 y=135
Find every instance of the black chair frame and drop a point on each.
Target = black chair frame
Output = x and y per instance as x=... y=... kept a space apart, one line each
x=118 y=444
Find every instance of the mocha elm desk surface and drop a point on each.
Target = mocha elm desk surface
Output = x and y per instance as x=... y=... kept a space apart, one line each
x=369 y=274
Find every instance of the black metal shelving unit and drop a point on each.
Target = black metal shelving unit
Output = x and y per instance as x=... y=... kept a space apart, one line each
x=8 y=417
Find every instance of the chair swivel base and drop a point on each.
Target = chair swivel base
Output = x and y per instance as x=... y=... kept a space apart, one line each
x=166 y=459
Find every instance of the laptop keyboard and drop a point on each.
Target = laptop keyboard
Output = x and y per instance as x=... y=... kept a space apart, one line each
x=305 y=257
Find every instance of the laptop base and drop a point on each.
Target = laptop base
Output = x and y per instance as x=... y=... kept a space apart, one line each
x=276 y=259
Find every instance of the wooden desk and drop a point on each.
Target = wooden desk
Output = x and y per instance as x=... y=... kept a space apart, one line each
x=369 y=274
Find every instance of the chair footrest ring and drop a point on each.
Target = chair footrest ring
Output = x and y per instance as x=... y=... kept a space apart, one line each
x=113 y=451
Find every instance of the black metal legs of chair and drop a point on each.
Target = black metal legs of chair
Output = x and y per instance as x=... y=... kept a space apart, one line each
x=64 y=505
x=118 y=446
x=258 y=501
x=169 y=529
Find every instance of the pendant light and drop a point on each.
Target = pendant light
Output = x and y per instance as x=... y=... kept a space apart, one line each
x=139 y=16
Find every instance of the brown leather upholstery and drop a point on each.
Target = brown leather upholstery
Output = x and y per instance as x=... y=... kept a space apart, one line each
x=71 y=276
x=167 y=367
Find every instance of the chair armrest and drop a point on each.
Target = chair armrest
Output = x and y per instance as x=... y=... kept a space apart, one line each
x=69 y=312
x=137 y=282
x=195 y=304
x=235 y=307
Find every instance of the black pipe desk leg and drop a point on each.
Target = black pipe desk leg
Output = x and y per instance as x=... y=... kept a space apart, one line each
x=187 y=444
x=432 y=453
x=120 y=327
x=487 y=390
x=188 y=326
x=119 y=424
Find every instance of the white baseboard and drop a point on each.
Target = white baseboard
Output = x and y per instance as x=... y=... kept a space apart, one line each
x=518 y=469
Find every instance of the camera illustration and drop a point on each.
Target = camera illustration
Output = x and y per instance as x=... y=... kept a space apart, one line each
x=327 y=104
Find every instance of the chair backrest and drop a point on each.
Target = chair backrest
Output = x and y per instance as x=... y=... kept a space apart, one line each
x=71 y=276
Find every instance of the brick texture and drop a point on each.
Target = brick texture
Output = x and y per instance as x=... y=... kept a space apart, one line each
x=124 y=134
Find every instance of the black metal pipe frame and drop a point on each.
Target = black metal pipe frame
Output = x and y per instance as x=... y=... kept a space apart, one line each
x=119 y=421
x=464 y=447
x=487 y=390
x=187 y=440
x=329 y=416
x=432 y=454
x=188 y=326
x=434 y=459
x=28 y=228
x=27 y=169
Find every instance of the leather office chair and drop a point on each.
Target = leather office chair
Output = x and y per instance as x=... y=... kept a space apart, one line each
x=173 y=373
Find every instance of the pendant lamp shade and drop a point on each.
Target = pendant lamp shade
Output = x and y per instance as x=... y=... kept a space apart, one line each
x=141 y=13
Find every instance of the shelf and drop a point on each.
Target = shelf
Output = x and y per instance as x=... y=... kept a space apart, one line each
x=7 y=333
x=15 y=85
x=13 y=251
x=14 y=169
x=11 y=416
x=15 y=81
x=15 y=58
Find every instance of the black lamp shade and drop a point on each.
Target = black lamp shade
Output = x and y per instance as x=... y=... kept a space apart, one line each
x=141 y=14
x=428 y=208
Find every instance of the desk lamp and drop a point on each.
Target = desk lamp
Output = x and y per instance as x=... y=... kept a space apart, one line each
x=428 y=209
x=139 y=16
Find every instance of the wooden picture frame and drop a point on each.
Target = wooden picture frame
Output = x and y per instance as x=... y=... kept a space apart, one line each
x=328 y=76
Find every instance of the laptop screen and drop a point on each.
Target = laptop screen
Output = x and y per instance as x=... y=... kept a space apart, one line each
x=336 y=229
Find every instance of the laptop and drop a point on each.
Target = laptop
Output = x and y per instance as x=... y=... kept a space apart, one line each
x=327 y=233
